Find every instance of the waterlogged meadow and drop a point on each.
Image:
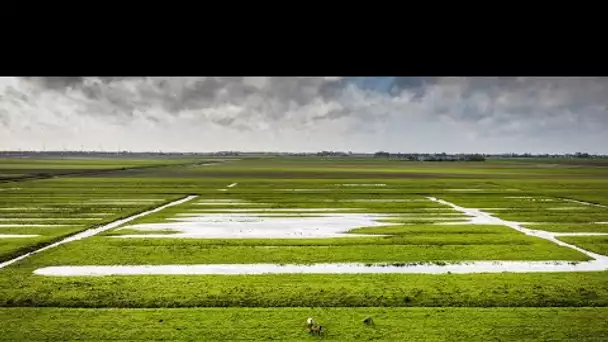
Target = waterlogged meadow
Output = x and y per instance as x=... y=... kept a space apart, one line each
x=36 y=216
x=306 y=211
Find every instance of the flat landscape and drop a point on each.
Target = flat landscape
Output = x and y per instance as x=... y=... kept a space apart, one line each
x=249 y=247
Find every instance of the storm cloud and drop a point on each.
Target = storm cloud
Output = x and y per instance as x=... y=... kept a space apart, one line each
x=408 y=114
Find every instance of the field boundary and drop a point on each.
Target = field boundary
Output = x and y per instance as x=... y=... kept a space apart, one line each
x=599 y=262
x=531 y=232
x=100 y=229
x=40 y=176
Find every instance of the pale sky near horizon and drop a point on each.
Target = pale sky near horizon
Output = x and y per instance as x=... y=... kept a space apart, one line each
x=297 y=114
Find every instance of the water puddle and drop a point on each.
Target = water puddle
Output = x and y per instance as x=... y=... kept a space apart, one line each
x=36 y=225
x=250 y=204
x=126 y=199
x=531 y=198
x=276 y=209
x=329 y=268
x=221 y=201
x=465 y=190
x=95 y=231
x=121 y=202
x=240 y=226
x=578 y=234
x=330 y=225
x=585 y=203
x=12 y=236
x=481 y=216
x=24 y=209
x=309 y=190
x=49 y=219
x=362 y=184
x=567 y=208
x=381 y=200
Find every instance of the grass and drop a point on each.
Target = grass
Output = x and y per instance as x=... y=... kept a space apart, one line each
x=17 y=169
x=13 y=247
x=395 y=324
x=43 y=231
x=541 y=209
x=19 y=288
x=507 y=306
x=571 y=227
x=74 y=211
x=413 y=239
x=60 y=210
x=597 y=244
x=109 y=251
x=554 y=218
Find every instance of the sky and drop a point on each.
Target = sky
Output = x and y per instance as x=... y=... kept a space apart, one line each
x=306 y=114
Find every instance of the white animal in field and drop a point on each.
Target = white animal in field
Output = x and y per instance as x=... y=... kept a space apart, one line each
x=310 y=322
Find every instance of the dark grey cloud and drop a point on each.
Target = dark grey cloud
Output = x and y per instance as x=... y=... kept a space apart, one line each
x=471 y=109
x=57 y=83
x=122 y=95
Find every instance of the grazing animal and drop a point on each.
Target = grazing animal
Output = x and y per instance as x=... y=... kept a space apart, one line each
x=313 y=327
x=316 y=329
x=368 y=321
x=310 y=322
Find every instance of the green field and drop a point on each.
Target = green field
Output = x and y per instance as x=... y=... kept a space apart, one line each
x=401 y=324
x=56 y=198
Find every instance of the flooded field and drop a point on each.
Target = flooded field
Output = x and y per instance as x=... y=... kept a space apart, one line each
x=154 y=239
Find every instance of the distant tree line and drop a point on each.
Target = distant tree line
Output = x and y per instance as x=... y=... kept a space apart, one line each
x=431 y=156
x=333 y=154
x=226 y=153
x=582 y=155
x=379 y=154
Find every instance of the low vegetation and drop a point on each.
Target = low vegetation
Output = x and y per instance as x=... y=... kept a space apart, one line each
x=345 y=324
x=504 y=306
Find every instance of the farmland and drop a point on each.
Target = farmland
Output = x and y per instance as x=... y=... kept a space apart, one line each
x=248 y=248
